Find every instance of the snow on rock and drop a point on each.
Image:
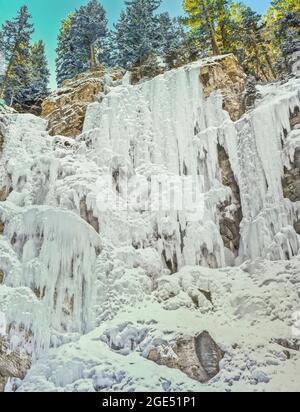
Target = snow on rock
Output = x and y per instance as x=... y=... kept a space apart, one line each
x=105 y=279
x=253 y=307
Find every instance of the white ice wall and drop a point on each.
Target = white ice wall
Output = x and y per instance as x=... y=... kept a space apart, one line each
x=166 y=125
x=163 y=126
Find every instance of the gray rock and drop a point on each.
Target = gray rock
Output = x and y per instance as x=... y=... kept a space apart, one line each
x=198 y=357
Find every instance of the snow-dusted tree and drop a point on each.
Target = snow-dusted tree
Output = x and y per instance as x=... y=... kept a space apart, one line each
x=2 y=64
x=15 y=42
x=66 y=64
x=289 y=31
x=89 y=31
x=82 y=39
x=137 y=32
x=37 y=89
x=172 y=36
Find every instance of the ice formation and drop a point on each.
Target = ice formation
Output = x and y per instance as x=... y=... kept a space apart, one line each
x=85 y=278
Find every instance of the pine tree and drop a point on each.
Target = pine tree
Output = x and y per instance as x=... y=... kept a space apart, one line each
x=37 y=90
x=89 y=31
x=172 y=36
x=66 y=64
x=2 y=62
x=15 y=41
x=246 y=34
x=209 y=18
x=82 y=41
x=289 y=32
x=137 y=32
x=282 y=32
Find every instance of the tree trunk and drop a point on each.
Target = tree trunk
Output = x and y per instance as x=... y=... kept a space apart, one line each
x=7 y=71
x=214 y=44
x=211 y=30
x=93 y=57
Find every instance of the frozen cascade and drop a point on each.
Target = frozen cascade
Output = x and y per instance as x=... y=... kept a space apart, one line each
x=57 y=253
x=167 y=126
x=64 y=274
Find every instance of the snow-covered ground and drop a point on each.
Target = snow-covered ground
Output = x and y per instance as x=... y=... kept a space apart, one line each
x=82 y=294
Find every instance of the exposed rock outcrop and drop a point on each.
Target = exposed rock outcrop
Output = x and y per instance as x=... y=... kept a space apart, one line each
x=226 y=75
x=88 y=216
x=13 y=364
x=198 y=357
x=4 y=192
x=291 y=179
x=292 y=344
x=230 y=211
x=65 y=108
x=295 y=119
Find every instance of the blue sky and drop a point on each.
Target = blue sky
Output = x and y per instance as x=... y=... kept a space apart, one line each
x=47 y=15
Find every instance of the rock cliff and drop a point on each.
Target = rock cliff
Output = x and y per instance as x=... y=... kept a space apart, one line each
x=65 y=108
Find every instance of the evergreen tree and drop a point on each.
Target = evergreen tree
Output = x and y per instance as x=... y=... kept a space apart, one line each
x=66 y=64
x=289 y=32
x=137 y=32
x=246 y=34
x=171 y=39
x=37 y=90
x=88 y=31
x=2 y=62
x=81 y=41
x=15 y=42
x=282 y=32
x=209 y=19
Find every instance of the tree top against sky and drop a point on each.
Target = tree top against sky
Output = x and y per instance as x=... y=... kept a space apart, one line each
x=47 y=16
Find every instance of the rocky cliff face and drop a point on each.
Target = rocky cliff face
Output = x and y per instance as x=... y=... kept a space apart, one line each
x=227 y=76
x=65 y=108
x=90 y=255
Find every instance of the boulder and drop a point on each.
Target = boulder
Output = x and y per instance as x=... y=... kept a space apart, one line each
x=198 y=357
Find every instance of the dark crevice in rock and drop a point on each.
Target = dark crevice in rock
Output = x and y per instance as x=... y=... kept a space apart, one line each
x=295 y=118
x=291 y=179
x=297 y=227
x=172 y=265
x=230 y=218
x=2 y=276
x=1 y=228
x=292 y=344
x=88 y=216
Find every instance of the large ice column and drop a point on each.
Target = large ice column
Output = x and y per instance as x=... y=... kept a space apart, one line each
x=55 y=253
x=267 y=228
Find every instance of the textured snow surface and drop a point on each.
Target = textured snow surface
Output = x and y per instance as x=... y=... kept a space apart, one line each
x=94 y=304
